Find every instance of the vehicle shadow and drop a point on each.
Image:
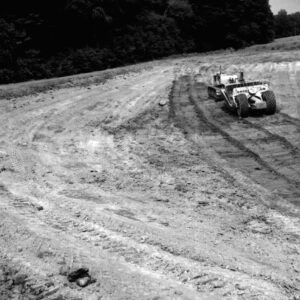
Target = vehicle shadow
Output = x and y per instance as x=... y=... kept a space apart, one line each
x=253 y=113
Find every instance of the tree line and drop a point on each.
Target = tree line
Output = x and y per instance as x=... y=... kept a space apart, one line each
x=43 y=39
x=287 y=24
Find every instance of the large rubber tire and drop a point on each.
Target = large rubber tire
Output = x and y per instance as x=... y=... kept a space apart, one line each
x=219 y=98
x=242 y=106
x=269 y=98
x=211 y=93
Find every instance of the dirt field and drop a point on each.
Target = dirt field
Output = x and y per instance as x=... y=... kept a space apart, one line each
x=175 y=201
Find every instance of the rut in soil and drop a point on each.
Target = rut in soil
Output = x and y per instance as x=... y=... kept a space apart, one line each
x=268 y=158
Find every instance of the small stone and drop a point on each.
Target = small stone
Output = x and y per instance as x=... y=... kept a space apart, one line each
x=179 y=293
x=218 y=284
x=143 y=239
x=231 y=268
x=202 y=203
x=162 y=199
x=39 y=207
x=163 y=102
x=20 y=279
x=20 y=249
x=78 y=274
x=83 y=282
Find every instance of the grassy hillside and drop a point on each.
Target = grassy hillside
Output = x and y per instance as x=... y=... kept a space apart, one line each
x=283 y=44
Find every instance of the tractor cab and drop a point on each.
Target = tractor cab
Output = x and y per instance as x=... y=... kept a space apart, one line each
x=221 y=80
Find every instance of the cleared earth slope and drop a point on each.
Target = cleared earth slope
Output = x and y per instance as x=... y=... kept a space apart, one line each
x=175 y=201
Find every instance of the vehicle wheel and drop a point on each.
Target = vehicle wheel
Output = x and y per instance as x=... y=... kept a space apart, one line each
x=270 y=100
x=242 y=106
x=219 y=98
x=211 y=93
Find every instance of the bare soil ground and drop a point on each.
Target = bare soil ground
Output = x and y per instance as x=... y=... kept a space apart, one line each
x=181 y=201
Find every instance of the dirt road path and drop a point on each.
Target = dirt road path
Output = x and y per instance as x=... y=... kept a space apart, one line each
x=171 y=202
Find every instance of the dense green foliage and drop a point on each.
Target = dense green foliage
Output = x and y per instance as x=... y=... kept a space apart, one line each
x=41 y=39
x=287 y=24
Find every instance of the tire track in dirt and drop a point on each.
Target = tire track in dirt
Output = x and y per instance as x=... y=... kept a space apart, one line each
x=144 y=236
x=274 y=136
x=269 y=126
x=94 y=248
x=260 y=141
x=186 y=119
x=241 y=144
x=138 y=249
x=115 y=277
x=274 y=152
x=282 y=126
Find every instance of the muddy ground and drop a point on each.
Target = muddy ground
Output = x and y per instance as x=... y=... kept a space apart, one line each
x=174 y=201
